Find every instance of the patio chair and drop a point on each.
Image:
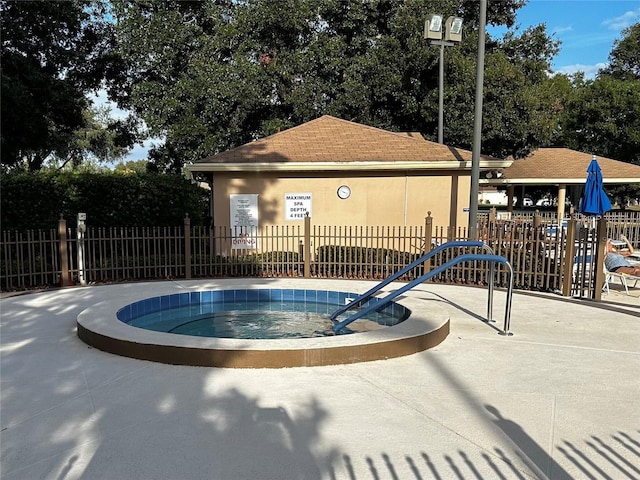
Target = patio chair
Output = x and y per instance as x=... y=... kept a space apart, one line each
x=623 y=277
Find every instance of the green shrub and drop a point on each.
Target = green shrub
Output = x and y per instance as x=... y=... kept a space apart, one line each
x=36 y=200
x=362 y=262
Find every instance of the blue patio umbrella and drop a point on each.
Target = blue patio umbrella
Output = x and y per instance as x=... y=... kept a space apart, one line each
x=594 y=201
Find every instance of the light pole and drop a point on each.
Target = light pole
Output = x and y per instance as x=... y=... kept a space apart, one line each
x=477 y=127
x=433 y=35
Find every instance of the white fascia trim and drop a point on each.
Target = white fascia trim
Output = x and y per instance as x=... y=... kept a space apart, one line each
x=620 y=180
x=529 y=181
x=551 y=181
x=340 y=166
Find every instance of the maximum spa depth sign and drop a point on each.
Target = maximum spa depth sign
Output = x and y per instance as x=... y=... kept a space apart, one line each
x=297 y=206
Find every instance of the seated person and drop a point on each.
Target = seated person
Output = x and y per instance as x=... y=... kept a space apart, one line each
x=615 y=260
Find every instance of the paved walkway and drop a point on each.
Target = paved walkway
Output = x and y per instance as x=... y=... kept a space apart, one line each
x=558 y=400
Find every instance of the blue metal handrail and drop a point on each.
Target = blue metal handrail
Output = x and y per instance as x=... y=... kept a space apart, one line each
x=467 y=257
x=455 y=243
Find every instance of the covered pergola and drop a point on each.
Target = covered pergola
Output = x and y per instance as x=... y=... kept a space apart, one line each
x=561 y=168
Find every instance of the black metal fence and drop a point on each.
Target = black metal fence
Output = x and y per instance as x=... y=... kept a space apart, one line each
x=544 y=256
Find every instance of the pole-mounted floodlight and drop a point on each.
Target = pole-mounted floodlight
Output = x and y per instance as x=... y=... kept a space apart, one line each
x=433 y=27
x=433 y=34
x=453 y=29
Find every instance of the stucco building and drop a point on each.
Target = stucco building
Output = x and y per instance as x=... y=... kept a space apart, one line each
x=342 y=173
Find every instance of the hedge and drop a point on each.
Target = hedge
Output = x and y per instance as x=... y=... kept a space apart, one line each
x=36 y=200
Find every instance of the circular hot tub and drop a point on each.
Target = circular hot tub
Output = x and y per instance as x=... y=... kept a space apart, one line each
x=255 y=314
x=177 y=328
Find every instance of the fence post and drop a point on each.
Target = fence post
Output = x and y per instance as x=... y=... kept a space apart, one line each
x=187 y=247
x=307 y=246
x=569 y=255
x=601 y=240
x=537 y=219
x=64 y=252
x=428 y=240
x=428 y=232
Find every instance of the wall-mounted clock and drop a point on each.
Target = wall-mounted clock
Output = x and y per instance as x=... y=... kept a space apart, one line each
x=344 y=192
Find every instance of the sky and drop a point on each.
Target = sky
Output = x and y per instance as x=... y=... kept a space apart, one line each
x=586 y=28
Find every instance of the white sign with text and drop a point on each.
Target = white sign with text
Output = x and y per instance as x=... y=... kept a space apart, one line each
x=297 y=206
x=244 y=221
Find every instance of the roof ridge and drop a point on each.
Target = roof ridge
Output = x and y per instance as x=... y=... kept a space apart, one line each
x=349 y=122
x=371 y=127
x=337 y=139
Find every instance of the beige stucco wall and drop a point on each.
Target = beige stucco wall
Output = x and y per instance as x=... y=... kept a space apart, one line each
x=377 y=198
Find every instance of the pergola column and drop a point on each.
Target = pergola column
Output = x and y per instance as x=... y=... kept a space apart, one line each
x=562 y=195
x=510 y=191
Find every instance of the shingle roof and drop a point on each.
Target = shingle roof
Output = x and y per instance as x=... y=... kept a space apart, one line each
x=330 y=139
x=564 y=163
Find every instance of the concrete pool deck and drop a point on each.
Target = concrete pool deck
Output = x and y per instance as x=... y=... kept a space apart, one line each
x=560 y=399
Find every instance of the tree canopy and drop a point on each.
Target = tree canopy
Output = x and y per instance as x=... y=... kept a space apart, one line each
x=53 y=54
x=602 y=116
x=207 y=76
x=237 y=71
x=624 y=59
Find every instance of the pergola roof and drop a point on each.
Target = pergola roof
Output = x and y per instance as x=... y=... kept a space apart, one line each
x=328 y=143
x=564 y=166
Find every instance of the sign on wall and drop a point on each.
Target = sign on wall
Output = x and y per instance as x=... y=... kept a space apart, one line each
x=244 y=220
x=297 y=206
